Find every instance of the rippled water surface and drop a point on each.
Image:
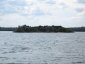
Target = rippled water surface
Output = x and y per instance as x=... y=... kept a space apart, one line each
x=42 y=48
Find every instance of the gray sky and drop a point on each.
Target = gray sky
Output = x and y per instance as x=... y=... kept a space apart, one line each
x=68 y=13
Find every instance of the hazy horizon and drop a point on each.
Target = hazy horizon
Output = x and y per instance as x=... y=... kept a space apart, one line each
x=39 y=25
x=67 y=13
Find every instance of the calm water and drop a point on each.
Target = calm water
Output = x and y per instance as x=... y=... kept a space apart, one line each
x=42 y=48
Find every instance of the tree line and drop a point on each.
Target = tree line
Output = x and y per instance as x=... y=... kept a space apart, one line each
x=52 y=28
x=78 y=29
x=25 y=28
x=7 y=28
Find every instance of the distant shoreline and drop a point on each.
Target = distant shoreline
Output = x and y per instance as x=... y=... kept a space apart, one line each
x=42 y=29
x=48 y=29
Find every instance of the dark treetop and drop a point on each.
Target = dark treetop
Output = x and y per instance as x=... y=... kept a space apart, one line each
x=53 y=28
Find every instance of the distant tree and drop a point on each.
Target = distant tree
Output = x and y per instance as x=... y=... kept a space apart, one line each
x=25 y=28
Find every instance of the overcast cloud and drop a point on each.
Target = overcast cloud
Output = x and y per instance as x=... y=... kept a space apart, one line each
x=67 y=13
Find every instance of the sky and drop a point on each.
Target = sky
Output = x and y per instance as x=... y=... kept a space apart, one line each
x=67 y=13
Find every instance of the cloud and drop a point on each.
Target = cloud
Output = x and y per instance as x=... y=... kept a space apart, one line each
x=48 y=1
x=41 y=12
x=81 y=1
x=38 y=12
x=80 y=10
x=11 y=6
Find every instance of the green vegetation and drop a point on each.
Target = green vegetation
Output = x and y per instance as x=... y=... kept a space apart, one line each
x=53 y=28
x=78 y=29
x=7 y=28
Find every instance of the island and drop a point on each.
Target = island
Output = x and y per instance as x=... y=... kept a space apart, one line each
x=25 y=28
x=46 y=28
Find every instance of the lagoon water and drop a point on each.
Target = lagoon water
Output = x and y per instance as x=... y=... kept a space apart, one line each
x=42 y=48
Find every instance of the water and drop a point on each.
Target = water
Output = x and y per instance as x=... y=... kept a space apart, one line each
x=42 y=48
